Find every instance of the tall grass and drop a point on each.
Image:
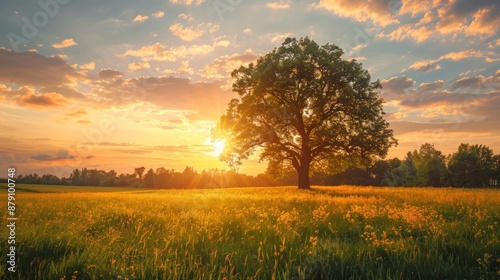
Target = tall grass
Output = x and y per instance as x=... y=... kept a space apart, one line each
x=259 y=233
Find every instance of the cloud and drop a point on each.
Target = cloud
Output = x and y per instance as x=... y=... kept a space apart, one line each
x=186 y=33
x=110 y=144
x=105 y=74
x=184 y=68
x=478 y=82
x=425 y=66
x=187 y=2
x=455 y=56
x=398 y=115
x=30 y=68
x=132 y=67
x=159 y=52
x=140 y=18
x=67 y=92
x=45 y=100
x=77 y=113
x=279 y=5
x=431 y=86
x=187 y=17
x=280 y=37
x=205 y=99
x=221 y=43
x=65 y=44
x=428 y=18
x=59 y=155
x=397 y=85
x=88 y=66
x=486 y=21
x=158 y=14
x=415 y=7
x=473 y=17
x=435 y=18
x=432 y=64
x=408 y=31
x=379 y=11
x=222 y=66
x=13 y=95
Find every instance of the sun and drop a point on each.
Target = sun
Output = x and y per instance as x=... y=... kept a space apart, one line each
x=218 y=147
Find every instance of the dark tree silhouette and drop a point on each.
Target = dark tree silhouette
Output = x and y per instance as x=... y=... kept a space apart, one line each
x=302 y=103
x=139 y=171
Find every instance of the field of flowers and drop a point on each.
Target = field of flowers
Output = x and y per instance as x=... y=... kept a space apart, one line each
x=257 y=233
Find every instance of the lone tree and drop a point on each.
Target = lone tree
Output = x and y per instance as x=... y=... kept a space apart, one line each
x=302 y=103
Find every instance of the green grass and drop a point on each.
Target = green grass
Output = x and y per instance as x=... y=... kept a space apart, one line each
x=256 y=233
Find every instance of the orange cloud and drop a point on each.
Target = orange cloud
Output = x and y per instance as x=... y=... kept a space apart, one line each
x=379 y=11
x=184 y=68
x=280 y=37
x=187 y=17
x=65 y=44
x=475 y=18
x=408 y=31
x=46 y=100
x=424 y=66
x=456 y=56
x=430 y=65
x=140 y=18
x=417 y=7
x=279 y=5
x=187 y=2
x=77 y=113
x=186 y=33
x=132 y=67
x=158 y=14
x=158 y=52
x=222 y=66
x=398 y=115
x=88 y=66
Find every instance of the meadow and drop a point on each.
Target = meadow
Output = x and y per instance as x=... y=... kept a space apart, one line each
x=341 y=232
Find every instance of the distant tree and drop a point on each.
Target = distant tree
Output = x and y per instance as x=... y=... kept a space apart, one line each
x=404 y=174
x=471 y=166
x=430 y=166
x=379 y=171
x=495 y=180
x=149 y=179
x=139 y=171
x=302 y=103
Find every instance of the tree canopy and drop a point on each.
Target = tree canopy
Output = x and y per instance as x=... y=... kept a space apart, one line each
x=301 y=104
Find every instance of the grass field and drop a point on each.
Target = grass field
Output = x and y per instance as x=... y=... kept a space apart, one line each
x=255 y=233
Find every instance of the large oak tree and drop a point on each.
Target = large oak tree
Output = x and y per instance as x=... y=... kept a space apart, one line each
x=302 y=103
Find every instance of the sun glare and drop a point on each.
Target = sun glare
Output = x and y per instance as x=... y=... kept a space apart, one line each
x=218 y=147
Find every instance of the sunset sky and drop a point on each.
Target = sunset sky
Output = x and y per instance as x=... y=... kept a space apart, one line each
x=122 y=84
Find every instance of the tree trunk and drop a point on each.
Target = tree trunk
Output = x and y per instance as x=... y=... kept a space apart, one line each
x=303 y=172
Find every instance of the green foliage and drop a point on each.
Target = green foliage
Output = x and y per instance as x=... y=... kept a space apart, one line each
x=302 y=103
x=259 y=233
x=473 y=166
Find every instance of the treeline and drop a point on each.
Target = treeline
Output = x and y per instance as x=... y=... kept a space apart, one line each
x=160 y=178
x=471 y=166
